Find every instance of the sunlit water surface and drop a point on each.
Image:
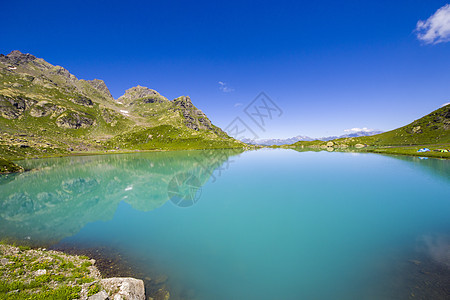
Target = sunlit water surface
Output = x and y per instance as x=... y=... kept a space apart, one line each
x=269 y=224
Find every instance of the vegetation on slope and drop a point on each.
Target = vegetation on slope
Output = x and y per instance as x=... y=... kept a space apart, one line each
x=38 y=274
x=432 y=130
x=46 y=111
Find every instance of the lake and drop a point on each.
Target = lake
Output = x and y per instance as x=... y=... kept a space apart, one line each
x=266 y=224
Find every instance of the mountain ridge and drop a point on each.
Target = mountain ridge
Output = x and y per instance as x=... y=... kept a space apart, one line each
x=46 y=110
x=303 y=138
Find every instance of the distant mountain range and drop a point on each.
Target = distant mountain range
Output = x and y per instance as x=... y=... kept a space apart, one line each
x=350 y=135
x=272 y=142
x=279 y=142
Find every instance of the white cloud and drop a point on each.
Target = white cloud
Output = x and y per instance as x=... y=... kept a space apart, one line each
x=364 y=129
x=225 y=88
x=437 y=28
x=238 y=104
x=445 y=104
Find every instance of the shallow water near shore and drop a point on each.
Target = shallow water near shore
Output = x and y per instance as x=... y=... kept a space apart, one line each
x=268 y=224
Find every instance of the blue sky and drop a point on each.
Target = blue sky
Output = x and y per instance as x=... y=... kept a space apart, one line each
x=328 y=65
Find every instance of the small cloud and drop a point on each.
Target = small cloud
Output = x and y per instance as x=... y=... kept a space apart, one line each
x=364 y=129
x=223 y=86
x=445 y=104
x=437 y=28
x=238 y=104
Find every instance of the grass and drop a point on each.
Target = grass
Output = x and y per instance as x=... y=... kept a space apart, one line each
x=412 y=151
x=60 y=276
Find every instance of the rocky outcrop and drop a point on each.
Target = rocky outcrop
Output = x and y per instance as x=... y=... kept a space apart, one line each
x=141 y=94
x=44 y=109
x=13 y=107
x=74 y=120
x=82 y=100
x=194 y=117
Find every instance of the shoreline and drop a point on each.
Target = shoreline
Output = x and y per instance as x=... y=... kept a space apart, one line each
x=112 y=263
x=41 y=274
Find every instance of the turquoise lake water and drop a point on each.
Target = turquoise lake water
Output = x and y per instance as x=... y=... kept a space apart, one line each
x=268 y=224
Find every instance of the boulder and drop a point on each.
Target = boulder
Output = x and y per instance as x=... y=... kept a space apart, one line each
x=360 y=146
x=124 y=288
x=330 y=144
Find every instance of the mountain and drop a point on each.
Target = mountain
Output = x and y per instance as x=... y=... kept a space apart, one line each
x=277 y=142
x=351 y=135
x=433 y=128
x=299 y=138
x=45 y=110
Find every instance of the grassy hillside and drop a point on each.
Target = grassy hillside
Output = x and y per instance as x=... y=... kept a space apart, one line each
x=432 y=130
x=45 y=110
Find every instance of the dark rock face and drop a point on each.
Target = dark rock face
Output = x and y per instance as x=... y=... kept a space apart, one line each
x=74 y=120
x=44 y=109
x=16 y=58
x=152 y=100
x=81 y=100
x=13 y=107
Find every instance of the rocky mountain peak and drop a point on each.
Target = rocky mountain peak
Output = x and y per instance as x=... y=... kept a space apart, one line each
x=100 y=86
x=141 y=92
x=16 y=57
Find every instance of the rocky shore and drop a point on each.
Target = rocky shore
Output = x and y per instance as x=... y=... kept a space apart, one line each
x=46 y=274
